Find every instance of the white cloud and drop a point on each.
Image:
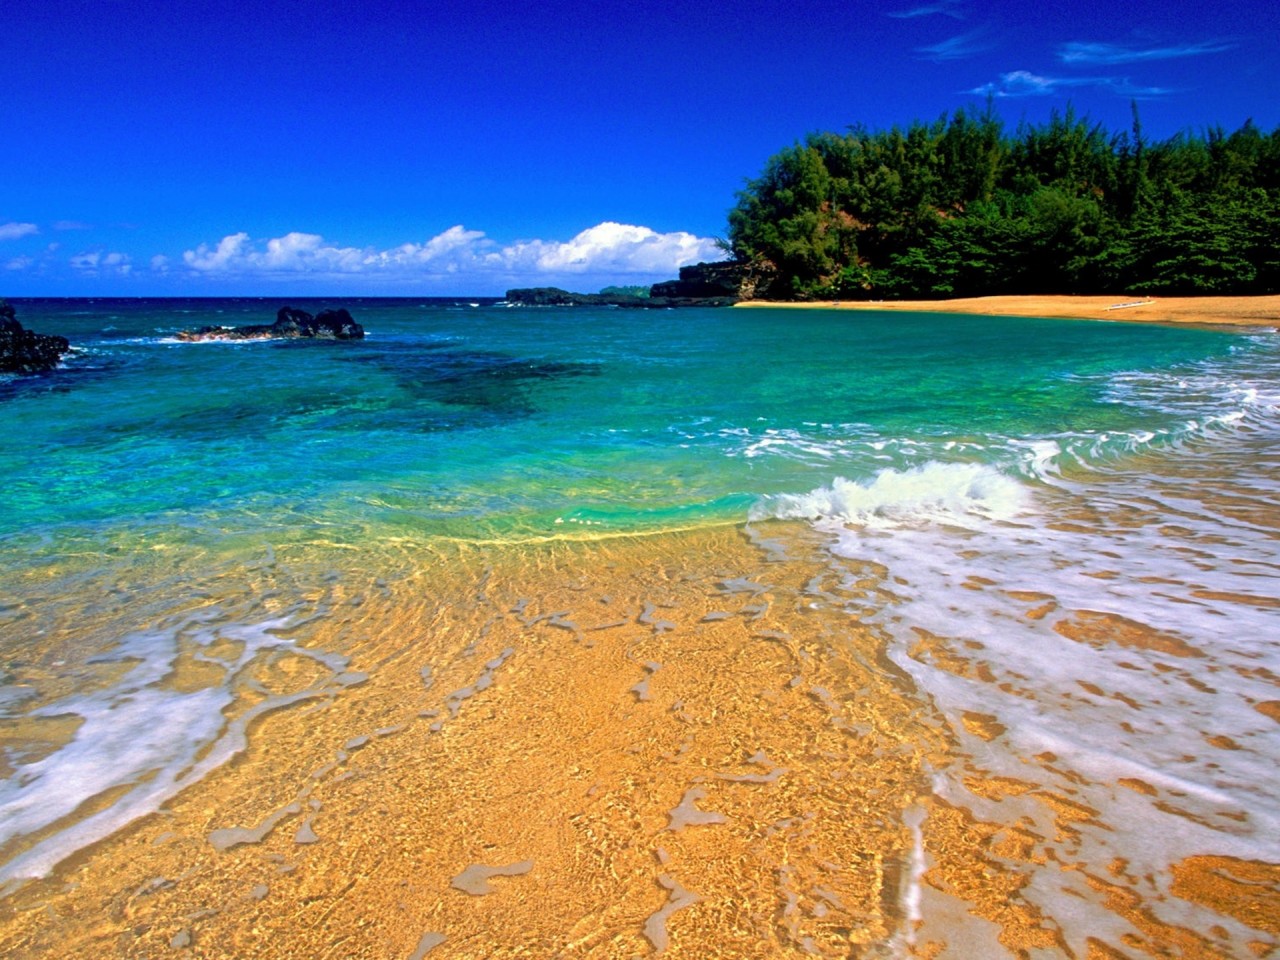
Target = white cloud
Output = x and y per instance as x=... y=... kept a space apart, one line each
x=607 y=249
x=612 y=248
x=1077 y=51
x=94 y=262
x=71 y=225
x=1024 y=83
x=160 y=263
x=13 y=231
x=227 y=253
x=19 y=263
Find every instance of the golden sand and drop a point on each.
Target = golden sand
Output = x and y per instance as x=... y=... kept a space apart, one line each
x=683 y=745
x=1230 y=311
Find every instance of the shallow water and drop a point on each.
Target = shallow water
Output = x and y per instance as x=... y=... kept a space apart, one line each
x=1023 y=571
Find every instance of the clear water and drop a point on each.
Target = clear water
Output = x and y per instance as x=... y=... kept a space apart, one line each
x=489 y=422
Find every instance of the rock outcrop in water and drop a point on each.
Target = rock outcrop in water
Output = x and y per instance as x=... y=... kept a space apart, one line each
x=22 y=351
x=291 y=324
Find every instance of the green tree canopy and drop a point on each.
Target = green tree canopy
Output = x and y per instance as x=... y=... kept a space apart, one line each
x=960 y=207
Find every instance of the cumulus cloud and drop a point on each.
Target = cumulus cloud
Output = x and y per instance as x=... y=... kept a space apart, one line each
x=222 y=257
x=13 y=231
x=607 y=249
x=1077 y=51
x=613 y=248
x=1024 y=83
x=160 y=263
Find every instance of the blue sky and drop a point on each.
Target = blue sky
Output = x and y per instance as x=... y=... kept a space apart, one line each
x=439 y=148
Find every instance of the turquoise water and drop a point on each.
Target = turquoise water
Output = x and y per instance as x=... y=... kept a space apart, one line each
x=488 y=422
x=1009 y=478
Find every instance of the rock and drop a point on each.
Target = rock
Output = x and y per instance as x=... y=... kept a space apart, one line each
x=724 y=278
x=336 y=324
x=22 y=351
x=291 y=324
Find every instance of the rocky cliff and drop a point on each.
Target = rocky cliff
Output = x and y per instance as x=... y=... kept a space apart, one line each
x=725 y=278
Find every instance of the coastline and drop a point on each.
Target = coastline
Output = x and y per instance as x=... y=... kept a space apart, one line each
x=1261 y=311
x=992 y=717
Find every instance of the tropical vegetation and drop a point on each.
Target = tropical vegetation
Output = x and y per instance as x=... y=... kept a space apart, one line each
x=959 y=207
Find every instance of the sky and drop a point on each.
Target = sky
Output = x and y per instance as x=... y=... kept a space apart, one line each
x=452 y=148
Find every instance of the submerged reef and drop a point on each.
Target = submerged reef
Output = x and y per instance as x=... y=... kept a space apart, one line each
x=23 y=351
x=291 y=324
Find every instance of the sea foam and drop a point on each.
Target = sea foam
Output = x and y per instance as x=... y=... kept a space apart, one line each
x=1108 y=633
x=141 y=736
x=936 y=493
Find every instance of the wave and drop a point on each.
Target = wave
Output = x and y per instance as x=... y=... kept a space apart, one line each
x=953 y=494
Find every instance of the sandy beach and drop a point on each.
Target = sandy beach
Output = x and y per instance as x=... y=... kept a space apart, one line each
x=1229 y=311
x=583 y=743
x=678 y=745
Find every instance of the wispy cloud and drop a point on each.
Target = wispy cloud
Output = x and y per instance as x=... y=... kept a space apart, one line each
x=946 y=8
x=19 y=263
x=959 y=47
x=607 y=249
x=14 y=231
x=71 y=225
x=1024 y=83
x=1080 y=52
x=95 y=262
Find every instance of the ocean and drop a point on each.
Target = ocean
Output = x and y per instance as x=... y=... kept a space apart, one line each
x=944 y=636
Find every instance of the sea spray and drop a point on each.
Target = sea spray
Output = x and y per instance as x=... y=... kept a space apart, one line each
x=942 y=493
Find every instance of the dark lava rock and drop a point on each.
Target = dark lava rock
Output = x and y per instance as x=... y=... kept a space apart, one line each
x=22 y=351
x=291 y=324
x=724 y=278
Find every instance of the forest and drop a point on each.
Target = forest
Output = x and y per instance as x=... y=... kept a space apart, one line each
x=960 y=208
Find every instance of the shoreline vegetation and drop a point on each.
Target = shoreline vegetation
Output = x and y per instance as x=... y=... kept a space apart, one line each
x=962 y=208
x=1260 y=311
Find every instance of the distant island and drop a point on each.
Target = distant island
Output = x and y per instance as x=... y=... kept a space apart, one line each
x=960 y=208
x=673 y=293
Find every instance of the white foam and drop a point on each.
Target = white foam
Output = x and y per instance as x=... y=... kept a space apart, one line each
x=1173 y=554
x=139 y=736
x=937 y=493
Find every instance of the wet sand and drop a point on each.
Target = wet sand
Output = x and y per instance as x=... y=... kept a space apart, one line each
x=668 y=744
x=1229 y=311
x=686 y=745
